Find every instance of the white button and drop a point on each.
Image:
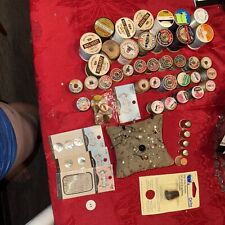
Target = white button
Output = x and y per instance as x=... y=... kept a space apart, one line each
x=90 y=205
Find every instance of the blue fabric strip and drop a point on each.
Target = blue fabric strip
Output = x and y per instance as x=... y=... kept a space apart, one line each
x=8 y=146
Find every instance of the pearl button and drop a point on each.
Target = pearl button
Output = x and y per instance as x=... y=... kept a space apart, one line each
x=90 y=205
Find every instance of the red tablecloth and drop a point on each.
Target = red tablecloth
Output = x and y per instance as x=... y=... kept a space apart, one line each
x=57 y=26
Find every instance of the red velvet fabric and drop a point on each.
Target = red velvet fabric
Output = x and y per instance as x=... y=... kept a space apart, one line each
x=57 y=26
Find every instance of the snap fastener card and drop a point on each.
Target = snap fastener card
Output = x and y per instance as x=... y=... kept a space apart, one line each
x=169 y=193
x=105 y=179
x=128 y=104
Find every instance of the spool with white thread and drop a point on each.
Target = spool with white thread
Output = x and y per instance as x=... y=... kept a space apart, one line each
x=143 y=21
x=142 y=86
x=200 y=16
x=124 y=29
x=90 y=44
x=204 y=34
x=164 y=19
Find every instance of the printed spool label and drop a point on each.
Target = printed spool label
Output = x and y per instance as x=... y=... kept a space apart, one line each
x=195 y=77
x=205 y=33
x=155 y=82
x=105 y=82
x=165 y=37
x=157 y=107
x=166 y=62
x=193 y=62
x=165 y=18
x=153 y=64
x=125 y=27
x=90 y=43
x=170 y=103
x=98 y=64
x=143 y=20
x=211 y=73
x=206 y=62
x=116 y=74
x=128 y=70
x=129 y=49
x=182 y=97
x=183 y=79
x=147 y=41
x=182 y=17
x=140 y=66
x=210 y=85
x=201 y=15
x=179 y=61
x=197 y=92
x=185 y=34
x=169 y=82
x=83 y=104
x=104 y=27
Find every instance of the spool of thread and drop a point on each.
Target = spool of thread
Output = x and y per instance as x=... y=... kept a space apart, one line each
x=168 y=83
x=206 y=63
x=153 y=65
x=164 y=19
x=182 y=96
x=183 y=79
x=104 y=27
x=181 y=161
x=196 y=92
x=181 y=17
x=91 y=83
x=128 y=51
x=185 y=133
x=105 y=82
x=164 y=38
x=146 y=42
x=184 y=123
x=154 y=82
x=142 y=86
x=140 y=66
x=128 y=70
x=180 y=61
x=156 y=107
x=165 y=62
x=195 y=77
x=203 y=75
x=124 y=29
x=204 y=34
x=98 y=65
x=208 y=86
x=211 y=73
x=170 y=103
x=184 y=36
x=192 y=64
x=90 y=44
x=83 y=104
x=111 y=49
x=200 y=16
x=116 y=75
x=143 y=21
x=75 y=86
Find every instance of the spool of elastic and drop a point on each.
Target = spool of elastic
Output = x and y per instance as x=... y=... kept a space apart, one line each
x=8 y=145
